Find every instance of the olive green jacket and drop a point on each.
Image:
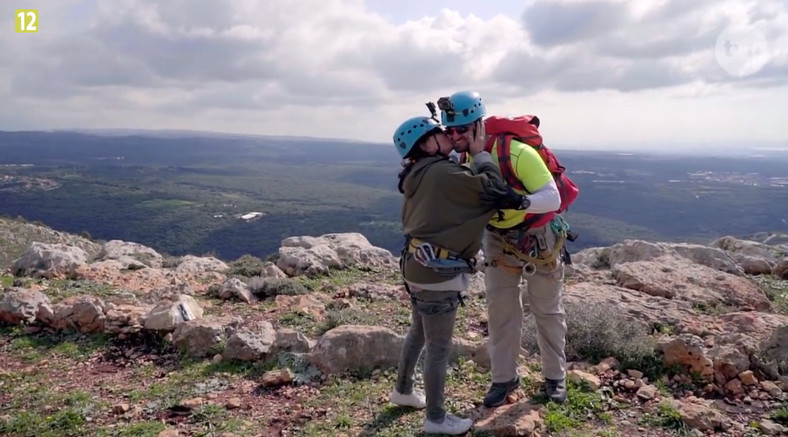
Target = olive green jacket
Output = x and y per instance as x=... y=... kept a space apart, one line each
x=442 y=206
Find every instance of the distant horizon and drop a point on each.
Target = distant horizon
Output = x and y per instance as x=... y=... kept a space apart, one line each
x=771 y=149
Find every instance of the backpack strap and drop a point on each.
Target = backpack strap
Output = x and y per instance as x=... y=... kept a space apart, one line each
x=505 y=163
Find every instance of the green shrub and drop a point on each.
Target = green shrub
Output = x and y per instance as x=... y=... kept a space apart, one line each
x=266 y=287
x=247 y=266
x=596 y=331
x=780 y=415
x=346 y=316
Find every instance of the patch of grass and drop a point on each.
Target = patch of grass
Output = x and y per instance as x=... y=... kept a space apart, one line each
x=6 y=281
x=140 y=429
x=60 y=289
x=346 y=316
x=713 y=308
x=666 y=416
x=250 y=370
x=343 y=421
x=776 y=291
x=780 y=416
x=299 y=321
x=581 y=405
x=209 y=415
x=66 y=422
x=190 y=378
x=34 y=347
x=352 y=396
x=49 y=414
x=154 y=391
x=349 y=276
x=665 y=328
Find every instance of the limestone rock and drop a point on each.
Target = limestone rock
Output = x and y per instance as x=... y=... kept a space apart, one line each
x=124 y=251
x=700 y=414
x=676 y=278
x=351 y=347
x=236 y=288
x=200 y=337
x=688 y=350
x=248 y=345
x=270 y=270
x=49 y=260
x=24 y=306
x=195 y=264
x=516 y=419
x=169 y=314
x=289 y=340
x=306 y=255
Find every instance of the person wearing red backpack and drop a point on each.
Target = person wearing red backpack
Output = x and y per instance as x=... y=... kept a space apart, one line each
x=524 y=240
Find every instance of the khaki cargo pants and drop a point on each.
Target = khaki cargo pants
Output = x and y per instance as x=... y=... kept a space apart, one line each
x=505 y=299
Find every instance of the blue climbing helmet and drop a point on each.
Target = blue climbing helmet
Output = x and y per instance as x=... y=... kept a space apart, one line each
x=463 y=107
x=411 y=131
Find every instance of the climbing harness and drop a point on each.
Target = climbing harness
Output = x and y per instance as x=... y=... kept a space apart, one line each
x=533 y=250
x=440 y=260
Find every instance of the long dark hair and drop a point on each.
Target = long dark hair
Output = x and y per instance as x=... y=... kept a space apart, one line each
x=416 y=152
x=414 y=155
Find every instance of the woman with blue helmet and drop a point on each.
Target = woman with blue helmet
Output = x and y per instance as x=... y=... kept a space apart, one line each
x=445 y=209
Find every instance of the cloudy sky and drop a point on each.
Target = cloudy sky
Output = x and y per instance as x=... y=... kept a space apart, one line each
x=631 y=73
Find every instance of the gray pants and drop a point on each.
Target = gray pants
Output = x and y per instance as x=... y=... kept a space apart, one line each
x=433 y=314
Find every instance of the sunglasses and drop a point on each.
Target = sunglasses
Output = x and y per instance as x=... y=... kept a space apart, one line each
x=458 y=129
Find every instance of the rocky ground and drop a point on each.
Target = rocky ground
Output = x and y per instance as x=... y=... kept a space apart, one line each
x=114 y=339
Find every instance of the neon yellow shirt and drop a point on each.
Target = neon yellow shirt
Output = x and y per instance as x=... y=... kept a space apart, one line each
x=530 y=169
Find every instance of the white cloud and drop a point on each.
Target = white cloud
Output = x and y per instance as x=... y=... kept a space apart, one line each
x=336 y=68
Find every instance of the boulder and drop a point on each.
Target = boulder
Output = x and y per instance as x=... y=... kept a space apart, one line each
x=352 y=347
x=167 y=315
x=49 y=261
x=677 y=278
x=130 y=254
x=306 y=255
x=236 y=288
x=200 y=338
x=23 y=306
x=248 y=345
x=196 y=265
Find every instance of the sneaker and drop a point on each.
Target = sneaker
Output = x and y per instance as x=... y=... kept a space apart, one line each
x=555 y=389
x=496 y=395
x=451 y=425
x=415 y=399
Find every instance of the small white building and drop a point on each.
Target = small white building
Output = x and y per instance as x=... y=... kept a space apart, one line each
x=251 y=215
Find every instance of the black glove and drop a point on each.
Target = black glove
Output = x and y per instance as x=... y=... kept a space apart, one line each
x=502 y=196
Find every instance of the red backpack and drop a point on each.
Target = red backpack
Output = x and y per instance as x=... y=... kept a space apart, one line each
x=525 y=129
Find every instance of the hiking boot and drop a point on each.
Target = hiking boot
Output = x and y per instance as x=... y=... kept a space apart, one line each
x=415 y=399
x=498 y=392
x=555 y=389
x=451 y=425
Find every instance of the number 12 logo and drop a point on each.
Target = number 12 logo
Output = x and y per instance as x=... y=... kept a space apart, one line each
x=26 y=20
